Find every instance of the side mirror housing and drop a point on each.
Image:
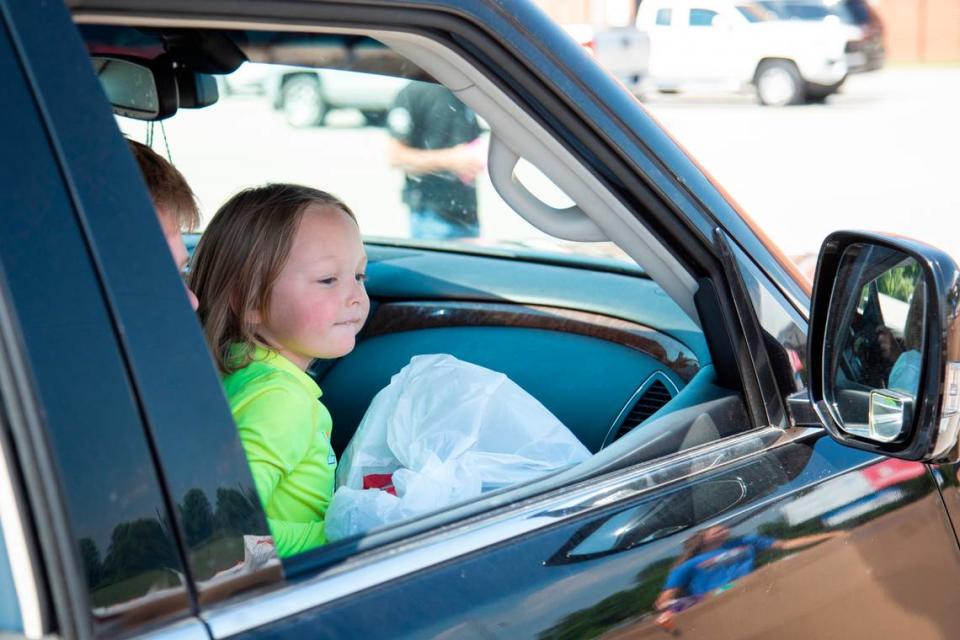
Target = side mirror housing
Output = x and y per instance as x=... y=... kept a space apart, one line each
x=884 y=346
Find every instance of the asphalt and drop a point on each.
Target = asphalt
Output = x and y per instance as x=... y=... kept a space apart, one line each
x=880 y=155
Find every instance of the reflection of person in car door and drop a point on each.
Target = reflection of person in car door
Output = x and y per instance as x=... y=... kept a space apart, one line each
x=712 y=561
x=434 y=139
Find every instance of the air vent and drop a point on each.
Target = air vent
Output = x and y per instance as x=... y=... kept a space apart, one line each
x=652 y=399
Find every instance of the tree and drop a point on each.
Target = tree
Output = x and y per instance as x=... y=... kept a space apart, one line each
x=197 y=517
x=91 y=561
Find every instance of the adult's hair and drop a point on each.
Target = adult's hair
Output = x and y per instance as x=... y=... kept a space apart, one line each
x=169 y=190
x=239 y=258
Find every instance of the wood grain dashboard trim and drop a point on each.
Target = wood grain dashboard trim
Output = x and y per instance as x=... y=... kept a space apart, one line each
x=395 y=317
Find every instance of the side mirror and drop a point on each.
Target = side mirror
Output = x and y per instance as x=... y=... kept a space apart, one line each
x=136 y=88
x=884 y=346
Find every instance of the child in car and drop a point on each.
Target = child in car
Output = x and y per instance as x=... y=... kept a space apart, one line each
x=280 y=277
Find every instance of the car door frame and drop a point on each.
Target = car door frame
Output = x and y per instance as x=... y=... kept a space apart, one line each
x=674 y=209
x=135 y=285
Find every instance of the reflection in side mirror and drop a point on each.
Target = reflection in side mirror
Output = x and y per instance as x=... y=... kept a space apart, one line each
x=129 y=86
x=891 y=414
x=876 y=325
x=884 y=346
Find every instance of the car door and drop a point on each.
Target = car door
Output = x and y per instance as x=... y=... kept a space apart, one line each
x=785 y=506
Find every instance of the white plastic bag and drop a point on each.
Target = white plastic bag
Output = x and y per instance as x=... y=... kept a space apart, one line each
x=443 y=431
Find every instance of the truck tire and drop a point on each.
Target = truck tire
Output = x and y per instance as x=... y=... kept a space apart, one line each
x=779 y=84
x=303 y=102
x=819 y=92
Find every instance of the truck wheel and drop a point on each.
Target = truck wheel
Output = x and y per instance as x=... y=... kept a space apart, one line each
x=303 y=103
x=819 y=92
x=779 y=83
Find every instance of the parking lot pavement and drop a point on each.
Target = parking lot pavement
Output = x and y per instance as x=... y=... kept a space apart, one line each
x=880 y=155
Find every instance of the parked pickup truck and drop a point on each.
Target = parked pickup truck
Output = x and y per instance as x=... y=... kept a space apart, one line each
x=729 y=45
x=306 y=95
x=623 y=51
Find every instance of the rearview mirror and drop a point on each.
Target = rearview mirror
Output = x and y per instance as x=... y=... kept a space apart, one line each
x=137 y=89
x=884 y=346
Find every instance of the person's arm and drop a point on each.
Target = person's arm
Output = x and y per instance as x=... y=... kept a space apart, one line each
x=276 y=429
x=665 y=598
x=804 y=541
x=462 y=159
x=291 y=538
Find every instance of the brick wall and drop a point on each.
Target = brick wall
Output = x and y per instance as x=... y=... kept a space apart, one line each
x=567 y=11
x=915 y=30
x=599 y=13
x=921 y=30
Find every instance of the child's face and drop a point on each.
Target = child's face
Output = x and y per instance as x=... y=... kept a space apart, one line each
x=318 y=303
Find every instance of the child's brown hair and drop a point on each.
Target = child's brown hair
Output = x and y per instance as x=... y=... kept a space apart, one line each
x=240 y=256
x=171 y=195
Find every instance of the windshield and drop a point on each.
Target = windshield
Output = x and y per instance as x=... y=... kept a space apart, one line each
x=805 y=10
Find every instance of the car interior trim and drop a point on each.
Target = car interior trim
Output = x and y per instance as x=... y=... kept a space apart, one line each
x=570 y=223
x=393 y=317
x=641 y=389
x=366 y=571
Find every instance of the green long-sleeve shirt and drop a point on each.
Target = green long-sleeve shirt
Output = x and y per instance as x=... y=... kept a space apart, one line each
x=285 y=432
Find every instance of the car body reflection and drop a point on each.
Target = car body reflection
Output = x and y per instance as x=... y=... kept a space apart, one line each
x=784 y=541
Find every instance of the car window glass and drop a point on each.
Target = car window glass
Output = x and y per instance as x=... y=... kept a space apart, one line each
x=344 y=128
x=664 y=16
x=778 y=318
x=701 y=17
x=10 y=619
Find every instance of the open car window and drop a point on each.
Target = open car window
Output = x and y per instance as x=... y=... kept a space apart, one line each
x=612 y=348
x=323 y=110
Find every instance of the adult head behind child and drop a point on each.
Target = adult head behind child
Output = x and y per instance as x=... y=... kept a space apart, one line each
x=280 y=266
x=173 y=201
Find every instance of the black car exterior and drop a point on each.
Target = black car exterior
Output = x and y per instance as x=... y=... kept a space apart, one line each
x=114 y=425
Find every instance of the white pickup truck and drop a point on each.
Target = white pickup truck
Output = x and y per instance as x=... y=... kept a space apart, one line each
x=729 y=45
x=624 y=51
x=306 y=95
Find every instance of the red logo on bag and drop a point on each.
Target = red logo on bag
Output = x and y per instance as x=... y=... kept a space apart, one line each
x=382 y=481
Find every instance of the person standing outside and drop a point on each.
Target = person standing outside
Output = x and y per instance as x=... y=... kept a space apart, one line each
x=434 y=139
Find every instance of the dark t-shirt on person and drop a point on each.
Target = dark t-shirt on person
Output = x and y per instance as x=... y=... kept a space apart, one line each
x=429 y=116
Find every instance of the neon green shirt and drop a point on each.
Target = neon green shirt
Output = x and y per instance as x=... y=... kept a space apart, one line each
x=285 y=432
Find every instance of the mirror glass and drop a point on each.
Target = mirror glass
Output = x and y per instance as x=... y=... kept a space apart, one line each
x=875 y=336
x=130 y=87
